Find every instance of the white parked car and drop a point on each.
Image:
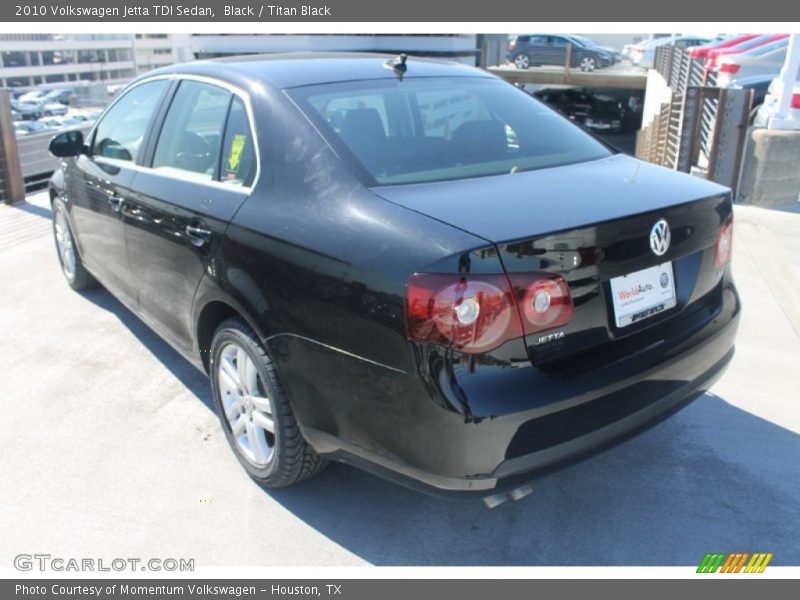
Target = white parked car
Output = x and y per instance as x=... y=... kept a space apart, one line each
x=33 y=97
x=770 y=106
x=762 y=60
x=54 y=109
x=644 y=54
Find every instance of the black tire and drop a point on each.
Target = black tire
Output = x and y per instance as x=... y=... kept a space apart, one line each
x=522 y=61
x=77 y=276
x=292 y=459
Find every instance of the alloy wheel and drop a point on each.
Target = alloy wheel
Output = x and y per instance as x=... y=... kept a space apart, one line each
x=521 y=61
x=64 y=244
x=587 y=63
x=246 y=403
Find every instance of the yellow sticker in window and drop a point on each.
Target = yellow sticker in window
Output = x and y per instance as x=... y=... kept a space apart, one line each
x=235 y=156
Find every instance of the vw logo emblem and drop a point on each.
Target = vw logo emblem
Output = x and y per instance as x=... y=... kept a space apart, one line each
x=659 y=238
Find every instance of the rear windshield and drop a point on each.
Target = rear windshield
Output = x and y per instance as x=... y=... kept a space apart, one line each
x=433 y=129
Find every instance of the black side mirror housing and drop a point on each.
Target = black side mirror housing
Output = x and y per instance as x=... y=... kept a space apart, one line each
x=66 y=144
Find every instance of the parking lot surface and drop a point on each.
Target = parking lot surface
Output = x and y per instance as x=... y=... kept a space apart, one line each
x=109 y=447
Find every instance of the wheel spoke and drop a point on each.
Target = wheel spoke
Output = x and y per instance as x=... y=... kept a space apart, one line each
x=228 y=381
x=262 y=404
x=265 y=422
x=251 y=376
x=258 y=445
x=241 y=368
x=238 y=428
x=232 y=408
x=227 y=368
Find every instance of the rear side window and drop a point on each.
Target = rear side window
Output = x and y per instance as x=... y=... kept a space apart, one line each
x=190 y=140
x=120 y=133
x=414 y=130
x=238 y=167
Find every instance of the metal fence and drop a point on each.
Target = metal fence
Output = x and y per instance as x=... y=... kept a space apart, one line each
x=702 y=129
x=25 y=162
x=36 y=161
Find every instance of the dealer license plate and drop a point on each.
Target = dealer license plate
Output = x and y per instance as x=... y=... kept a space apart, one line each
x=642 y=294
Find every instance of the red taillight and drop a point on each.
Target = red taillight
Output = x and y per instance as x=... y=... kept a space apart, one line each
x=478 y=313
x=729 y=68
x=795 y=103
x=512 y=44
x=544 y=300
x=723 y=248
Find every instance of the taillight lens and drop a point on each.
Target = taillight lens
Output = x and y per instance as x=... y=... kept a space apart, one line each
x=478 y=313
x=723 y=248
x=544 y=300
x=795 y=103
x=729 y=68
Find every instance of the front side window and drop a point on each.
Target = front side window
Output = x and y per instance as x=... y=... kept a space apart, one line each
x=438 y=128
x=191 y=137
x=120 y=133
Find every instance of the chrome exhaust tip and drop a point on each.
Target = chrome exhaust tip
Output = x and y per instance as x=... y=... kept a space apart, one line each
x=516 y=495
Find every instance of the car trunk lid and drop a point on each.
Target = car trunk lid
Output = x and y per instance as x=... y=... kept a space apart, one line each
x=591 y=223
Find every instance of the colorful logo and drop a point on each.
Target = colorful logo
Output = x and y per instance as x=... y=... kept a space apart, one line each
x=735 y=562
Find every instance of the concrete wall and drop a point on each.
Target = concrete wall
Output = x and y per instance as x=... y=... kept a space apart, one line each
x=657 y=93
x=771 y=170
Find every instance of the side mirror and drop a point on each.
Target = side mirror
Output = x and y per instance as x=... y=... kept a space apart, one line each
x=66 y=144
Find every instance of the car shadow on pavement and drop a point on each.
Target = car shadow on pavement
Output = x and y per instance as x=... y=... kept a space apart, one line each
x=713 y=478
x=195 y=381
x=34 y=209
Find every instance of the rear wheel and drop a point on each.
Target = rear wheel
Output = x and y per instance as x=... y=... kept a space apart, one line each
x=522 y=61
x=72 y=267
x=254 y=412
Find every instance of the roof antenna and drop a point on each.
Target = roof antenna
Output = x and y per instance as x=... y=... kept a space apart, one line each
x=397 y=64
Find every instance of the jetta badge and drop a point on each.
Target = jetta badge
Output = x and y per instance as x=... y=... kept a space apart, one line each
x=659 y=238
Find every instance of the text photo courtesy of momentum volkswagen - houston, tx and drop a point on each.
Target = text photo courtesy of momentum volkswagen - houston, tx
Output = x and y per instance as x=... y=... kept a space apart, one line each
x=374 y=287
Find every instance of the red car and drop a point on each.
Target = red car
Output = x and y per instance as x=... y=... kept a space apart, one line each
x=702 y=51
x=713 y=55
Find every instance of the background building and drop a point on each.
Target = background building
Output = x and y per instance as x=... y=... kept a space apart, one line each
x=28 y=60
x=454 y=47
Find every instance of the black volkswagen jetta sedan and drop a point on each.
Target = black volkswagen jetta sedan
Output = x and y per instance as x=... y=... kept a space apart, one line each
x=407 y=265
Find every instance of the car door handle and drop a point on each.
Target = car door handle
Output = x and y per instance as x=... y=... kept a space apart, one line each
x=115 y=201
x=198 y=235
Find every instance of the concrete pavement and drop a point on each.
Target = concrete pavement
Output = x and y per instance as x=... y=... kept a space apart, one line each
x=109 y=447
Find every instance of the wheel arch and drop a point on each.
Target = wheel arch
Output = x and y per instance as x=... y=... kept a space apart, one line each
x=210 y=314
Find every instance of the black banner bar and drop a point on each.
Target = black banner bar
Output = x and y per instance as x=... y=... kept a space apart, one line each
x=281 y=11
x=733 y=588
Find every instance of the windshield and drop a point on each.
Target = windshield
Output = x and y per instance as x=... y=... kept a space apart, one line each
x=585 y=42
x=433 y=129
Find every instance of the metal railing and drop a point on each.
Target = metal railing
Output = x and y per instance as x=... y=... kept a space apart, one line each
x=702 y=129
x=36 y=161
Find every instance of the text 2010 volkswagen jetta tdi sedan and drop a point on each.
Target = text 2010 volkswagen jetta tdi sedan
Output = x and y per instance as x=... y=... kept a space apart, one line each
x=410 y=266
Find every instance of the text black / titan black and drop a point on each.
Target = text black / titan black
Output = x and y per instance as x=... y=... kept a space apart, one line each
x=399 y=263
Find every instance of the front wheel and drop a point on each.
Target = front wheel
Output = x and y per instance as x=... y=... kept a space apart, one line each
x=588 y=64
x=522 y=61
x=255 y=414
x=72 y=267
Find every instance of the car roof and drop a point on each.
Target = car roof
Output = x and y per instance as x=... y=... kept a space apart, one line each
x=306 y=68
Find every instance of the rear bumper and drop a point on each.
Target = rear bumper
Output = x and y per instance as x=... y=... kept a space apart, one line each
x=450 y=428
